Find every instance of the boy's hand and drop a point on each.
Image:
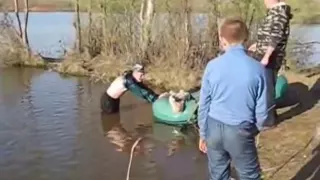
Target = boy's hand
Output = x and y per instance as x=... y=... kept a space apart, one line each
x=203 y=146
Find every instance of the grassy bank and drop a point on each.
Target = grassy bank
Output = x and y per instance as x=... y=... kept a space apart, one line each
x=161 y=76
x=290 y=151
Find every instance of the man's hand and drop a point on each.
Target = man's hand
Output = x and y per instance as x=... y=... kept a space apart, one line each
x=202 y=146
x=265 y=61
x=253 y=47
x=267 y=55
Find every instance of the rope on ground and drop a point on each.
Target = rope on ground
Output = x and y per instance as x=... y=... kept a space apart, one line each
x=131 y=156
x=292 y=157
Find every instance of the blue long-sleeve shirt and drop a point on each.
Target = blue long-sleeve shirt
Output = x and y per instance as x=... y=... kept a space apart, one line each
x=233 y=90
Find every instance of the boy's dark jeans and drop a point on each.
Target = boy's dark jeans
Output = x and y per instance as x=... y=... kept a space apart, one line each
x=272 y=76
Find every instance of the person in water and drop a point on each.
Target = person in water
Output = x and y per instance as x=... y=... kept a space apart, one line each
x=130 y=81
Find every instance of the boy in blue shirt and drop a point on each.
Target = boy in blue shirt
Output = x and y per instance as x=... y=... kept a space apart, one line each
x=232 y=107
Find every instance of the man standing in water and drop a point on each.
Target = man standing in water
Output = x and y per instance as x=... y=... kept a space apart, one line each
x=130 y=80
x=271 y=44
x=232 y=106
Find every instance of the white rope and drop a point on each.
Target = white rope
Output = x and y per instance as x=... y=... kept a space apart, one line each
x=131 y=156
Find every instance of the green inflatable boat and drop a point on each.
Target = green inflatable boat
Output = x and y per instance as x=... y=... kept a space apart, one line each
x=282 y=86
x=163 y=113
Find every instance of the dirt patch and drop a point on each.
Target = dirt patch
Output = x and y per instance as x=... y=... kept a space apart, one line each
x=286 y=149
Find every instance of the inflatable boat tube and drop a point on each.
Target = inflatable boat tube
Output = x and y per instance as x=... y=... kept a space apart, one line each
x=281 y=87
x=163 y=113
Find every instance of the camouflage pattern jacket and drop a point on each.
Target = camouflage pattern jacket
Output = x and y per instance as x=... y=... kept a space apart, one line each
x=274 y=31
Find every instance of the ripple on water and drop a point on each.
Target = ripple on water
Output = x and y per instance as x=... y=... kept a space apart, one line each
x=53 y=130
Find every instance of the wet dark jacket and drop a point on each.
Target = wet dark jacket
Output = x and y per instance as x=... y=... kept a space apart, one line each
x=138 y=89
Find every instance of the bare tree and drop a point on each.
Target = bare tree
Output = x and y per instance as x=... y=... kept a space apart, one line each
x=89 y=44
x=187 y=24
x=25 y=30
x=16 y=10
x=90 y=20
x=131 y=21
x=78 y=27
x=213 y=28
x=147 y=13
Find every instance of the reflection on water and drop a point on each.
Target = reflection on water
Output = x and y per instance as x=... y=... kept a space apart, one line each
x=114 y=131
x=51 y=127
x=120 y=137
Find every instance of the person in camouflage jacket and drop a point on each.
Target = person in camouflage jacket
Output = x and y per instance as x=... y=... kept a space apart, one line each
x=270 y=46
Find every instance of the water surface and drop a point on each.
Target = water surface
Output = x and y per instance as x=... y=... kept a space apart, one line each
x=51 y=128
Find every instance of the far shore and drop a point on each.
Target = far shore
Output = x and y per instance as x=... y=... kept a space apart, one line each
x=43 y=9
x=315 y=20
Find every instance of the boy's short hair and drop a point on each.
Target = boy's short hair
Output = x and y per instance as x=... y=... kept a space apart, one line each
x=234 y=30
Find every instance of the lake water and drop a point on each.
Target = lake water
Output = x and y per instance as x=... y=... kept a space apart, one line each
x=51 y=128
x=47 y=29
